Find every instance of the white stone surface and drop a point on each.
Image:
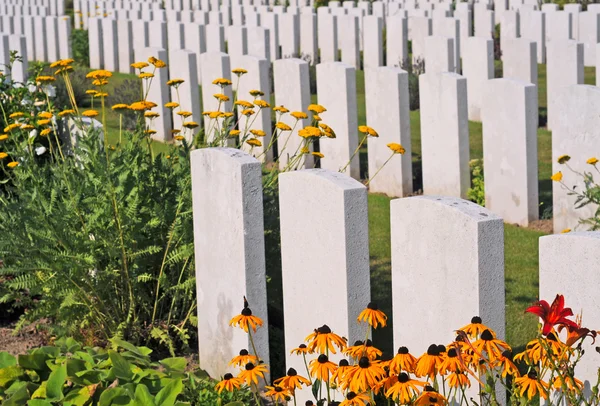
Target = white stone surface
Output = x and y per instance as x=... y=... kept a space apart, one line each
x=519 y=60
x=450 y=27
x=444 y=134
x=158 y=93
x=559 y=26
x=237 y=43
x=484 y=23
x=533 y=28
x=439 y=54
x=589 y=34
x=175 y=37
x=478 y=68
x=258 y=42
x=188 y=96
x=292 y=90
x=195 y=41
x=327 y=37
x=229 y=238
x=336 y=279
x=125 y=46
x=419 y=29
x=564 y=68
x=577 y=134
x=349 y=42
x=51 y=35
x=289 y=35
x=18 y=43
x=510 y=160
x=157 y=33
x=141 y=35
x=215 y=38
x=397 y=41
x=256 y=78
x=308 y=37
x=387 y=109
x=110 y=47
x=64 y=38
x=271 y=22
x=336 y=91
x=373 y=37
x=4 y=53
x=96 y=43
x=509 y=27
x=568 y=266
x=457 y=246
x=214 y=65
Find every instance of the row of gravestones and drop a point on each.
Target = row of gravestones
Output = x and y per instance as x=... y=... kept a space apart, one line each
x=37 y=7
x=446 y=253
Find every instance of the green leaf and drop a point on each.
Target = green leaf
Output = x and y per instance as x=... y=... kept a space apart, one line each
x=37 y=362
x=143 y=397
x=168 y=395
x=19 y=398
x=7 y=360
x=113 y=396
x=121 y=368
x=177 y=364
x=237 y=403
x=141 y=351
x=10 y=374
x=315 y=388
x=81 y=396
x=39 y=402
x=56 y=381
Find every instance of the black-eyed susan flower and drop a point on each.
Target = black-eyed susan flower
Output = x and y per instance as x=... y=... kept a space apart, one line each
x=175 y=82
x=491 y=345
x=292 y=380
x=262 y=104
x=429 y=363
x=258 y=133
x=458 y=380
x=252 y=372
x=396 y=148
x=363 y=376
x=531 y=385
x=229 y=383
x=475 y=328
x=557 y=177
x=256 y=93
x=316 y=108
x=563 y=159
x=239 y=71
x=402 y=361
x=506 y=364
x=12 y=164
x=570 y=382
x=430 y=397
x=356 y=399
x=302 y=349
x=363 y=349
x=532 y=354
x=243 y=103
x=321 y=368
x=323 y=339
x=405 y=389
x=299 y=115
x=592 y=161
x=254 y=142
x=246 y=320
x=190 y=124
x=343 y=368
x=373 y=316
x=277 y=393
x=87 y=113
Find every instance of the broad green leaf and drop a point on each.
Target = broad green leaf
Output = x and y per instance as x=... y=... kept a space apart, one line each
x=121 y=368
x=75 y=365
x=177 y=364
x=141 y=351
x=40 y=393
x=19 y=398
x=143 y=397
x=37 y=362
x=53 y=352
x=38 y=402
x=56 y=381
x=9 y=374
x=237 y=403
x=113 y=396
x=81 y=396
x=315 y=388
x=7 y=360
x=168 y=395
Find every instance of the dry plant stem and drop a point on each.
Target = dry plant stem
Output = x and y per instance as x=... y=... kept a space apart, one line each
x=379 y=169
x=175 y=296
x=355 y=152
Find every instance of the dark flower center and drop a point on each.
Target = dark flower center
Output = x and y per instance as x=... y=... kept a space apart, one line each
x=441 y=348
x=372 y=306
x=244 y=352
x=322 y=359
x=551 y=337
x=369 y=343
x=452 y=353
x=507 y=354
x=344 y=363
x=292 y=372
x=364 y=362
x=324 y=329
x=246 y=311
x=403 y=377
x=249 y=366
x=402 y=350
x=351 y=395
x=278 y=389
x=428 y=388
x=476 y=320
x=302 y=346
x=432 y=399
x=309 y=403
x=433 y=350
x=487 y=335
x=532 y=375
x=459 y=338
x=228 y=377
x=357 y=343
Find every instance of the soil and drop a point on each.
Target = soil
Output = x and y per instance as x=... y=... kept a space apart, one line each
x=544 y=226
x=27 y=338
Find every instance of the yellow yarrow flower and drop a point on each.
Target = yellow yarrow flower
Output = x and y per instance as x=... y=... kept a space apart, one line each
x=120 y=106
x=139 y=65
x=281 y=109
x=234 y=133
x=566 y=230
x=318 y=154
x=67 y=112
x=11 y=127
x=142 y=105
x=27 y=127
x=99 y=74
x=12 y=164
x=299 y=115
x=283 y=126
x=43 y=122
x=214 y=114
x=247 y=112
x=254 y=142
x=221 y=97
x=3 y=137
x=157 y=62
x=304 y=150
x=179 y=137
x=16 y=115
x=310 y=131
x=227 y=114
x=258 y=133
x=367 y=130
x=3 y=155
x=190 y=124
x=557 y=177
x=175 y=82
x=244 y=104
x=45 y=132
x=262 y=104
x=316 y=108
x=255 y=93
x=88 y=113
x=592 y=161
x=151 y=114
x=45 y=79
x=184 y=113
x=239 y=71
x=171 y=105
x=91 y=92
x=150 y=131
x=146 y=75
x=221 y=82
x=396 y=148
x=563 y=159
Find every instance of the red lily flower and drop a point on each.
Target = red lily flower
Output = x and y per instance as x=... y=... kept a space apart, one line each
x=552 y=315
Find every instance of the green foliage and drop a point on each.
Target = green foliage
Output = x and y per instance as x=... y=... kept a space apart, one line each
x=98 y=243
x=477 y=191
x=414 y=69
x=590 y=194
x=80 y=45
x=68 y=373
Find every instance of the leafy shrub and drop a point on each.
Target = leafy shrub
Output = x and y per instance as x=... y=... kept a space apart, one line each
x=80 y=45
x=414 y=69
x=70 y=374
x=477 y=191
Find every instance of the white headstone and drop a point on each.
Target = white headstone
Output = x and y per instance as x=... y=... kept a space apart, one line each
x=308 y=37
x=478 y=68
x=214 y=65
x=397 y=41
x=64 y=37
x=187 y=96
x=373 y=38
x=533 y=28
x=589 y=34
x=349 y=40
x=125 y=48
x=19 y=68
x=439 y=54
x=110 y=41
x=289 y=35
x=327 y=38
x=519 y=60
x=96 y=43
x=258 y=42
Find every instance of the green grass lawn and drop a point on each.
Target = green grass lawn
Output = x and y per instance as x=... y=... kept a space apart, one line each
x=521 y=245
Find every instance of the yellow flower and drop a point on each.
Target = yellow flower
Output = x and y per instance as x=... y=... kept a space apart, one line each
x=146 y=75
x=234 y=133
x=367 y=130
x=45 y=114
x=531 y=384
x=396 y=148
x=3 y=155
x=16 y=115
x=179 y=137
x=557 y=177
x=373 y=316
x=3 y=137
x=45 y=79
x=222 y=82
x=100 y=82
x=91 y=92
x=292 y=380
x=214 y=114
x=88 y=113
x=175 y=131
x=229 y=383
x=227 y=114
x=356 y=399
x=184 y=113
x=327 y=130
x=304 y=150
x=321 y=368
x=563 y=159
x=190 y=124
x=278 y=394
x=171 y=105
x=151 y=114
x=61 y=62
x=566 y=230
x=252 y=372
x=150 y=131
x=175 y=82
x=592 y=161
x=101 y=94
x=27 y=127
x=62 y=70
x=11 y=127
x=262 y=104
x=258 y=133
x=245 y=104
x=157 y=62
x=299 y=115
x=12 y=164
x=254 y=142
x=363 y=376
x=139 y=65
x=309 y=131
x=323 y=340
x=247 y=112
x=120 y=106
x=317 y=154
x=99 y=74
x=45 y=132
x=43 y=122
x=281 y=109
x=256 y=93
x=283 y=126
x=68 y=112
x=402 y=361
x=221 y=97
x=142 y=105
x=317 y=117
x=239 y=71
x=316 y=108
